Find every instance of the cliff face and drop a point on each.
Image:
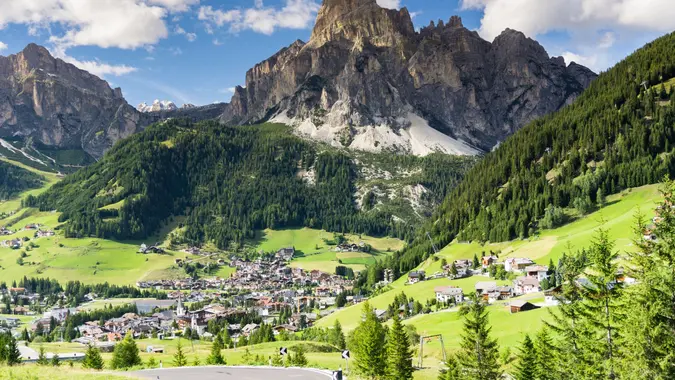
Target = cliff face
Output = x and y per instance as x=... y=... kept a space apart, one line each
x=366 y=77
x=60 y=105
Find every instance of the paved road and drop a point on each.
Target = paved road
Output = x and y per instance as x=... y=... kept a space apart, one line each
x=239 y=373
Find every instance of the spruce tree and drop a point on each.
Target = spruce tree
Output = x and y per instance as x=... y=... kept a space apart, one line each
x=299 y=359
x=9 y=352
x=126 y=354
x=92 y=358
x=338 y=337
x=216 y=357
x=368 y=345
x=42 y=357
x=56 y=361
x=179 y=359
x=603 y=303
x=479 y=353
x=525 y=369
x=452 y=370
x=546 y=368
x=398 y=353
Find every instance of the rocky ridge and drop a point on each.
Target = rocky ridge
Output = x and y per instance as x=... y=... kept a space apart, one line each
x=367 y=80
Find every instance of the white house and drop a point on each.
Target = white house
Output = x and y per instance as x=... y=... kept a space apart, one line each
x=538 y=271
x=446 y=293
x=525 y=285
x=516 y=264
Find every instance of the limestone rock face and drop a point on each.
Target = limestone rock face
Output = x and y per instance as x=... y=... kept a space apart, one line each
x=57 y=104
x=365 y=71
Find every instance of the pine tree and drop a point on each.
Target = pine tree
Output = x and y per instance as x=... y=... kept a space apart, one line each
x=179 y=358
x=476 y=263
x=92 y=358
x=603 y=302
x=126 y=354
x=546 y=368
x=479 y=353
x=527 y=360
x=453 y=270
x=42 y=357
x=196 y=362
x=56 y=361
x=10 y=353
x=398 y=352
x=338 y=337
x=216 y=357
x=452 y=370
x=299 y=359
x=368 y=345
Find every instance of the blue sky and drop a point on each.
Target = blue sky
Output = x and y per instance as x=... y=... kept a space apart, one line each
x=195 y=51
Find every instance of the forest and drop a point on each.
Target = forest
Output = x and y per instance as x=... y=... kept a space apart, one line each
x=227 y=182
x=14 y=180
x=618 y=134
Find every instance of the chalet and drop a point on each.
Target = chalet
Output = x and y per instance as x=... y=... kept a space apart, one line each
x=416 y=276
x=526 y=285
x=381 y=314
x=44 y=233
x=518 y=306
x=286 y=254
x=32 y=226
x=17 y=290
x=517 y=264
x=347 y=247
x=249 y=329
x=20 y=310
x=486 y=261
x=447 y=293
x=485 y=287
x=12 y=244
x=540 y=272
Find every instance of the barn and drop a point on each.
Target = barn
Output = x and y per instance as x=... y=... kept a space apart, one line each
x=518 y=306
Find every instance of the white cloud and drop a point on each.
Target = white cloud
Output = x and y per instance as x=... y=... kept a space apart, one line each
x=534 y=17
x=175 y=5
x=607 y=40
x=217 y=42
x=190 y=36
x=176 y=50
x=229 y=90
x=391 y=4
x=96 y=67
x=588 y=61
x=3 y=46
x=295 y=14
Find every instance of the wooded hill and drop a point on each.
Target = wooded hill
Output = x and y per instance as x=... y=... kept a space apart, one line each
x=228 y=182
x=618 y=134
x=14 y=180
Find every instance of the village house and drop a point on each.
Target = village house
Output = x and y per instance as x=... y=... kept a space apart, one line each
x=485 y=287
x=44 y=233
x=526 y=285
x=486 y=261
x=286 y=254
x=12 y=243
x=540 y=272
x=517 y=264
x=416 y=276
x=446 y=293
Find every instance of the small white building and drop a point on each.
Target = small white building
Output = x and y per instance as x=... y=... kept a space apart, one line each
x=446 y=293
x=517 y=264
x=525 y=285
x=538 y=271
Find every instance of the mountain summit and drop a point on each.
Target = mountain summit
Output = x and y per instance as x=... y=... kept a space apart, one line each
x=367 y=80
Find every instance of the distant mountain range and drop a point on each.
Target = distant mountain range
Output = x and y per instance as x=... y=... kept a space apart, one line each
x=365 y=80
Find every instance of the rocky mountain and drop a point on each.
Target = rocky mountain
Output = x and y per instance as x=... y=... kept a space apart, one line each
x=367 y=80
x=59 y=105
x=157 y=105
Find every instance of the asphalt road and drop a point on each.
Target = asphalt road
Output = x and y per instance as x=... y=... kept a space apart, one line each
x=240 y=373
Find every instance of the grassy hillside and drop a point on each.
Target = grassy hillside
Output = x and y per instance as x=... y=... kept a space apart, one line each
x=33 y=372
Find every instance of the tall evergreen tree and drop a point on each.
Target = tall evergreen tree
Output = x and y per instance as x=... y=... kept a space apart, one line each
x=545 y=368
x=368 y=345
x=398 y=353
x=126 y=354
x=602 y=302
x=338 y=336
x=479 y=353
x=92 y=358
x=179 y=358
x=216 y=357
x=42 y=356
x=527 y=361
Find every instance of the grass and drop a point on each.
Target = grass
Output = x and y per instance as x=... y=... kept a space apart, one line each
x=33 y=372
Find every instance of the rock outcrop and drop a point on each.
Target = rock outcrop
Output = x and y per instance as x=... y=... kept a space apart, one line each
x=366 y=78
x=58 y=105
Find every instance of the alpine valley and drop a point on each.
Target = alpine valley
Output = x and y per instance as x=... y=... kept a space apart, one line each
x=366 y=192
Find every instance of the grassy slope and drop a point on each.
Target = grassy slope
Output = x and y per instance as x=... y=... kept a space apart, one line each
x=316 y=254
x=33 y=372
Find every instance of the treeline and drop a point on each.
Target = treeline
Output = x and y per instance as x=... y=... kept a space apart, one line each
x=229 y=182
x=615 y=136
x=14 y=180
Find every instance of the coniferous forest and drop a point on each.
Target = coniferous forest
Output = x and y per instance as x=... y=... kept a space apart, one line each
x=14 y=179
x=618 y=134
x=227 y=182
